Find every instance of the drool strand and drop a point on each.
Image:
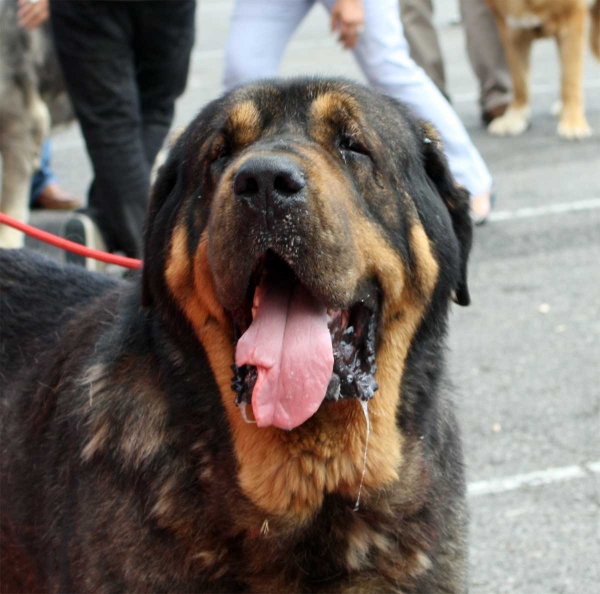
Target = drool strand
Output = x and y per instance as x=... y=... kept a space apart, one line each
x=365 y=406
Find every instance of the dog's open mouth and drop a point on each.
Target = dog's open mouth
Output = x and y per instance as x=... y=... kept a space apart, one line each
x=294 y=352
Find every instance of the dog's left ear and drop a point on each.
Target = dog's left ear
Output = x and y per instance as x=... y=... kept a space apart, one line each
x=456 y=200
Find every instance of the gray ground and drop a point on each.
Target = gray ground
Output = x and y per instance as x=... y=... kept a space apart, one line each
x=525 y=357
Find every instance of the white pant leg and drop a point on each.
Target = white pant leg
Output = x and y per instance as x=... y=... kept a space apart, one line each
x=383 y=55
x=258 y=34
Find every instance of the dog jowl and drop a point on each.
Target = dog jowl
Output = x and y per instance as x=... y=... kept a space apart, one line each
x=304 y=243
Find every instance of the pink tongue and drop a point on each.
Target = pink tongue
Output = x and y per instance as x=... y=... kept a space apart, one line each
x=290 y=345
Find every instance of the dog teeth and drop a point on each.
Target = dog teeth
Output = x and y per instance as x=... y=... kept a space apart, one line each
x=242 y=406
x=366 y=386
x=332 y=315
x=333 y=390
x=258 y=295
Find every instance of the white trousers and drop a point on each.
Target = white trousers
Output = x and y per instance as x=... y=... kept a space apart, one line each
x=261 y=29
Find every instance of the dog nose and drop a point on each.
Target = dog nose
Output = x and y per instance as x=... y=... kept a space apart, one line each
x=269 y=182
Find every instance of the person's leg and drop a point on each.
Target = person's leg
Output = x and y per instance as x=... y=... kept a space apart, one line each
x=44 y=176
x=259 y=32
x=422 y=37
x=164 y=37
x=94 y=42
x=486 y=54
x=383 y=55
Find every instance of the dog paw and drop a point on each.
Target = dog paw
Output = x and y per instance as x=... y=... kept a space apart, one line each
x=514 y=122
x=574 y=128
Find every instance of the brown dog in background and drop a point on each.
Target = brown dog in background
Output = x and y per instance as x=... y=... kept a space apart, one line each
x=520 y=22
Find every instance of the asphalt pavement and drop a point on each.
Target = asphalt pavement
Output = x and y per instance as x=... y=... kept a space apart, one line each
x=525 y=357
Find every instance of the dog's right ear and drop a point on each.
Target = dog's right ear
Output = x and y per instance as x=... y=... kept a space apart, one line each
x=167 y=190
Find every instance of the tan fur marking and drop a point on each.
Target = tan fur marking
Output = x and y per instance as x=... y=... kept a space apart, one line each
x=205 y=463
x=244 y=123
x=164 y=506
x=427 y=267
x=137 y=447
x=143 y=436
x=424 y=562
x=328 y=105
x=192 y=285
x=207 y=558
x=357 y=555
x=325 y=106
x=362 y=539
x=96 y=443
x=94 y=378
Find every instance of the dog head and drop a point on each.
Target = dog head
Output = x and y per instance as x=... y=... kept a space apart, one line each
x=307 y=230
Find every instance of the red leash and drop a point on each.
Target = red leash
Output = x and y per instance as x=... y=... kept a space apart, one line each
x=70 y=246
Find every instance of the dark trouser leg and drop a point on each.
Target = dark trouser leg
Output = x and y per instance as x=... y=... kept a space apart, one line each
x=94 y=42
x=486 y=54
x=164 y=36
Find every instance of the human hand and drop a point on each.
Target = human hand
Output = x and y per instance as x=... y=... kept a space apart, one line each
x=348 y=17
x=32 y=13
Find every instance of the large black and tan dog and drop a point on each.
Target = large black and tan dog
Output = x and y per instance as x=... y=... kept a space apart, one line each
x=307 y=235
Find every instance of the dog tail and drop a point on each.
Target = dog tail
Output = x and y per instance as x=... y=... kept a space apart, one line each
x=595 y=29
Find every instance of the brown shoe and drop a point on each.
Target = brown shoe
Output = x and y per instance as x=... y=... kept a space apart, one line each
x=53 y=197
x=490 y=115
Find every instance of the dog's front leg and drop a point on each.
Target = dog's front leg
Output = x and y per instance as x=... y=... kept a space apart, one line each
x=17 y=169
x=571 y=44
x=21 y=147
x=517 y=44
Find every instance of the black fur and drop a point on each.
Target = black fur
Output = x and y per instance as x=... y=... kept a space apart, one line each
x=119 y=471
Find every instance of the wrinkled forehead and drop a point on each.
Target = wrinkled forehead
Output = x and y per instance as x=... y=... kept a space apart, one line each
x=315 y=109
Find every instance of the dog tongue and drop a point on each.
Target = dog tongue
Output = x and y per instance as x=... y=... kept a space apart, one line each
x=290 y=345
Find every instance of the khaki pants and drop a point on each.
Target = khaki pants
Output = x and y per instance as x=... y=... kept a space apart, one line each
x=484 y=47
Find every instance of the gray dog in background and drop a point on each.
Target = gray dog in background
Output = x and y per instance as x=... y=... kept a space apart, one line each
x=33 y=99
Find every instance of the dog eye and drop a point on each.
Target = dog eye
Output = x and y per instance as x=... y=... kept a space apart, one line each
x=348 y=144
x=220 y=158
x=218 y=164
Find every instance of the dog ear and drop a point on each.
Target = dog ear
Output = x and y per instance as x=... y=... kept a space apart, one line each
x=457 y=201
x=166 y=188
